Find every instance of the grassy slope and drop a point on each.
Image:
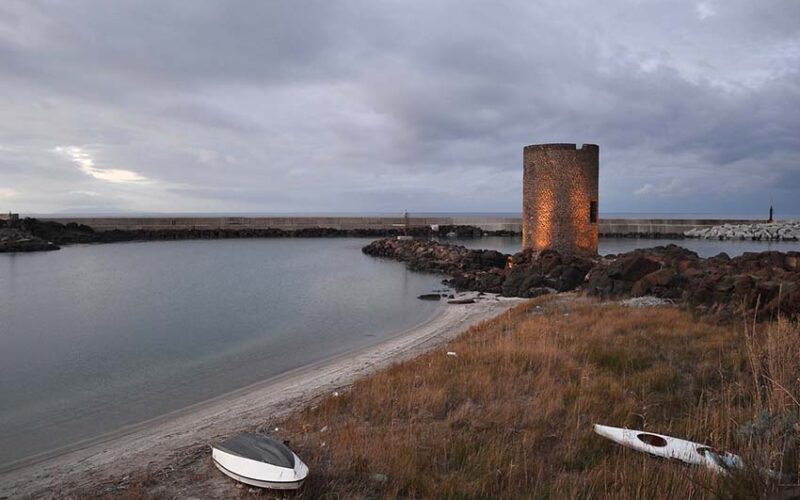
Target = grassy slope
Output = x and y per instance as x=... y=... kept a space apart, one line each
x=511 y=415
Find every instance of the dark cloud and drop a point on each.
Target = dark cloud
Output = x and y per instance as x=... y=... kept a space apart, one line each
x=264 y=106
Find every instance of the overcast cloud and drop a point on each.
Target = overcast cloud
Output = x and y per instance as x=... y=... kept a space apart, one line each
x=267 y=106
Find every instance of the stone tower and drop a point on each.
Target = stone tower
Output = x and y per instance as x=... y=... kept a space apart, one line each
x=559 y=197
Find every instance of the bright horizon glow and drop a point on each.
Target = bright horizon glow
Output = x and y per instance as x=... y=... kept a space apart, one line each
x=85 y=162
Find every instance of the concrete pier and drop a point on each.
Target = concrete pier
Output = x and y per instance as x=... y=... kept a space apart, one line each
x=608 y=227
x=658 y=227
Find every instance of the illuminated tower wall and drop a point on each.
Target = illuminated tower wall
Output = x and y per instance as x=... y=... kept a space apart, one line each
x=560 y=198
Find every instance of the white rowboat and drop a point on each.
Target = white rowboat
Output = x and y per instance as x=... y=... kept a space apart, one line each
x=259 y=461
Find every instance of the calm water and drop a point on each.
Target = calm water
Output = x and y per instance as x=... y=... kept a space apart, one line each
x=704 y=248
x=94 y=338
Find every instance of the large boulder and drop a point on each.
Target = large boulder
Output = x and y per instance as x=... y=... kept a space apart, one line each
x=632 y=267
x=654 y=282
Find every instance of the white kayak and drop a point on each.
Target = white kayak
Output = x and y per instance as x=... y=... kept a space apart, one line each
x=671 y=448
x=259 y=461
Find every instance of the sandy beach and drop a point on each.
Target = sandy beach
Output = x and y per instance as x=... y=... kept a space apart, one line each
x=168 y=442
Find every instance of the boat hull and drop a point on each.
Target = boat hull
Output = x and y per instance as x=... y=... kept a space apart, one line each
x=259 y=473
x=274 y=485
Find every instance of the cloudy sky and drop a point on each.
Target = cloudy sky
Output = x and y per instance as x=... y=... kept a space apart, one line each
x=309 y=106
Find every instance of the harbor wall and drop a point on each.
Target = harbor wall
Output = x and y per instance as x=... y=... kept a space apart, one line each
x=607 y=227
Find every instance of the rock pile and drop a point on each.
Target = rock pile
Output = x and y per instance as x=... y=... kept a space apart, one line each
x=432 y=256
x=18 y=240
x=526 y=274
x=766 y=283
x=774 y=231
x=529 y=271
x=762 y=284
x=652 y=271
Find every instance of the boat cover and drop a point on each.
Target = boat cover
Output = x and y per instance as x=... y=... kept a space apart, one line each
x=258 y=447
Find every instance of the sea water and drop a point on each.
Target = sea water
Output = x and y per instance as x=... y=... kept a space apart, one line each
x=94 y=338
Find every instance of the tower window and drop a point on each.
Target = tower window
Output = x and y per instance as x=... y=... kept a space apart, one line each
x=592 y=212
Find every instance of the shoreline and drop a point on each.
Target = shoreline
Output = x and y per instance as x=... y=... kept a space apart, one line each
x=110 y=436
x=156 y=444
x=31 y=234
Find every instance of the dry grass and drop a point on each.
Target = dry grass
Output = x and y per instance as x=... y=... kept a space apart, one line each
x=511 y=416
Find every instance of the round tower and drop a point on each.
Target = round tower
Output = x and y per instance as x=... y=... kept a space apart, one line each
x=559 y=198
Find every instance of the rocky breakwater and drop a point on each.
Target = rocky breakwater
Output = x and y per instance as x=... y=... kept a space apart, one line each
x=758 y=231
x=754 y=284
x=763 y=284
x=432 y=256
x=17 y=240
x=65 y=234
x=659 y=271
x=526 y=274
